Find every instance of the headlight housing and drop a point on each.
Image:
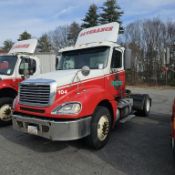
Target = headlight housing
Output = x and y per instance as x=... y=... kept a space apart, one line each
x=68 y=108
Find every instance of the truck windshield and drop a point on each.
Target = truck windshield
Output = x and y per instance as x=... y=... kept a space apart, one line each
x=7 y=64
x=94 y=58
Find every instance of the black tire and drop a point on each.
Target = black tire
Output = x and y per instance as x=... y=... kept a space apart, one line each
x=146 y=111
x=146 y=107
x=93 y=139
x=4 y=101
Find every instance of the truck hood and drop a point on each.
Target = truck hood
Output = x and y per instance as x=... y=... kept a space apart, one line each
x=4 y=77
x=65 y=77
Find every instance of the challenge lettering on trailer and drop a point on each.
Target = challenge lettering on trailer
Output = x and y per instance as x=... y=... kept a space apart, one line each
x=106 y=32
x=97 y=30
x=25 y=46
x=21 y=46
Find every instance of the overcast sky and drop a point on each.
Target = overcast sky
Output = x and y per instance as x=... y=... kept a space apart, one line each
x=40 y=16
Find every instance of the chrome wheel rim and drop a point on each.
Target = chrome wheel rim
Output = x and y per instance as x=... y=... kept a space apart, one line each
x=103 y=128
x=5 y=112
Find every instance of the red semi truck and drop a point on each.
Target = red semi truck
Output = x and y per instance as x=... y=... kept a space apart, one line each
x=85 y=97
x=13 y=68
x=173 y=129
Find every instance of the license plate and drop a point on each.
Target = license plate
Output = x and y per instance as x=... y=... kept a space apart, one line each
x=32 y=130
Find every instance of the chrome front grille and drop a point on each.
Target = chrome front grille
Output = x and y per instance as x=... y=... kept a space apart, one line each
x=35 y=94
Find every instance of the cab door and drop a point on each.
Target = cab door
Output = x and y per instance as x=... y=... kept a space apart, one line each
x=27 y=66
x=115 y=81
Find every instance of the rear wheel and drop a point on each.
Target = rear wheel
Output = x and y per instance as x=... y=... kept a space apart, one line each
x=100 y=128
x=146 y=107
x=6 y=110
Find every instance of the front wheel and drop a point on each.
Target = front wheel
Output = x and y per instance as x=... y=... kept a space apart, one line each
x=6 y=110
x=100 y=128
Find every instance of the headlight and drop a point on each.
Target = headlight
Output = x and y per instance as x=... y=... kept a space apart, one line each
x=68 y=108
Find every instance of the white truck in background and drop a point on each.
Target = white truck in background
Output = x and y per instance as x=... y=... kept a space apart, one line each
x=20 y=63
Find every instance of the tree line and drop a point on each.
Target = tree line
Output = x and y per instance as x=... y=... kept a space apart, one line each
x=153 y=51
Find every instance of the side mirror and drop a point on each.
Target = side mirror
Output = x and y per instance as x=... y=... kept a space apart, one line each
x=127 y=59
x=85 y=70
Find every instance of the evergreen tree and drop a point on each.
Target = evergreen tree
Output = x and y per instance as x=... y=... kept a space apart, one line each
x=91 y=18
x=7 y=45
x=73 y=32
x=24 y=36
x=111 y=12
x=44 y=44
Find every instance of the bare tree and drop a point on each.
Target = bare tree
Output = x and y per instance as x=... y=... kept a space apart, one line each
x=148 y=40
x=74 y=30
x=170 y=30
x=154 y=32
x=132 y=39
x=59 y=37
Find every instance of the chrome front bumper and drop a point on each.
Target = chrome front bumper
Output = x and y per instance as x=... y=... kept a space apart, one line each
x=53 y=130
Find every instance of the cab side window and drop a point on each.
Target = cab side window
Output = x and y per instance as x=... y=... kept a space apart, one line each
x=27 y=65
x=116 y=59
